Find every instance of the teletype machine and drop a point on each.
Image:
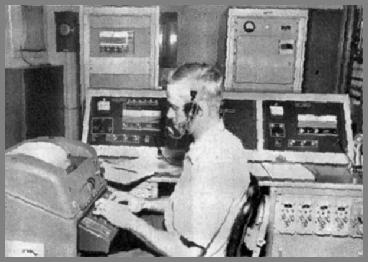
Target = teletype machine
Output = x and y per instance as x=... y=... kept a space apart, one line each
x=48 y=209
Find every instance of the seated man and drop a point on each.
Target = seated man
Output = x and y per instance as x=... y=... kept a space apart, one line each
x=215 y=174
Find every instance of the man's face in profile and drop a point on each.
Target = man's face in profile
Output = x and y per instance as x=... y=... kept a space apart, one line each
x=178 y=95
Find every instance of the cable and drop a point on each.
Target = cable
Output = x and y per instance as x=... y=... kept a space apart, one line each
x=23 y=58
x=21 y=50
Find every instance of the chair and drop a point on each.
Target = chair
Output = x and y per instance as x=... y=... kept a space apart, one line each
x=247 y=236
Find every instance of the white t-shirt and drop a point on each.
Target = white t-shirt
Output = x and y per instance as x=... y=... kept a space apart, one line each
x=215 y=176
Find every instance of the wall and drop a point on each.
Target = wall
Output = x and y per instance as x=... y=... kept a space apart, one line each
x=15 y=37
x=199 y=33
x=71 y=74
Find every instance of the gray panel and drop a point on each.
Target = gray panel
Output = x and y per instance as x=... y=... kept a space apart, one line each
x=285 y=27
x=116 y=21
x=258 y=60
x=316 y=246
x=14 y=107
x=120 y=81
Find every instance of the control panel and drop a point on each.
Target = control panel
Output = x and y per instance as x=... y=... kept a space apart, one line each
x=134 y=121
x=265 y=49
x=319 y=215
x=304 y=126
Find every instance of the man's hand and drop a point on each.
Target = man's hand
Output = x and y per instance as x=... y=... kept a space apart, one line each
x=135 y=204
x=118 y=214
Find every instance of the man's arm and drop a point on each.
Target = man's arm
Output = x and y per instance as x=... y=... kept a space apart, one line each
x=164 y=242
x=136 y=204
x=157 y=204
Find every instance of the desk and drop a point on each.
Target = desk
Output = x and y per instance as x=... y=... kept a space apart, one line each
x=319 y=219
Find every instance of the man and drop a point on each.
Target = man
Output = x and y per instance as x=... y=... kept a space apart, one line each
x=215 y=175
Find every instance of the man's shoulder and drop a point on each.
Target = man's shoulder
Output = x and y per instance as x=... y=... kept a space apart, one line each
x=228 y=142
x=224 y=145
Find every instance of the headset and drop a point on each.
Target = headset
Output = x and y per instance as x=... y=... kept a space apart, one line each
x=191 y=109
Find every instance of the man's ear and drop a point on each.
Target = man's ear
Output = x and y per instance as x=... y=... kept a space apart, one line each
x=202 y=107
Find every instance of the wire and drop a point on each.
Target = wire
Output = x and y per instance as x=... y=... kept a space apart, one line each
x=24 y=59
x=21 y=50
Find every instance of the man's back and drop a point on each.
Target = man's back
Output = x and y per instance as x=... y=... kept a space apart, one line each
x=214 y=178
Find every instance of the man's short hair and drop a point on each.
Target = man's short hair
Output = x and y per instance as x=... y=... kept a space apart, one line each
x=205 y=79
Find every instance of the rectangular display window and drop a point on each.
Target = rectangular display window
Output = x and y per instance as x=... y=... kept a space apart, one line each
x=116 y=41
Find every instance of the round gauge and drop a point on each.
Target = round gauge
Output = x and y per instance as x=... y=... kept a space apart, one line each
x=64 y=29
x=249 y=26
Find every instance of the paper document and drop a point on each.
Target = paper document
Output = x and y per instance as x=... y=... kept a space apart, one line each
x=127 y=171
x=257 y=170
x=288 y=171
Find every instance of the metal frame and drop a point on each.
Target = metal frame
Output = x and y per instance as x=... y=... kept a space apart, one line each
x=152 y=62
x=302 y=35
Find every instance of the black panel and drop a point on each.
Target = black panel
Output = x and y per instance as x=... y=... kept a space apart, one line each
x=113 y=127
x=168 y=49
x=44 y=101
x=14 y=107
x=240 y=118
x=281 y=130
x=322 y=53
x=67 y=31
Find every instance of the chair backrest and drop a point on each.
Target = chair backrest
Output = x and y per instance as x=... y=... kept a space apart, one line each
x=245 y=218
